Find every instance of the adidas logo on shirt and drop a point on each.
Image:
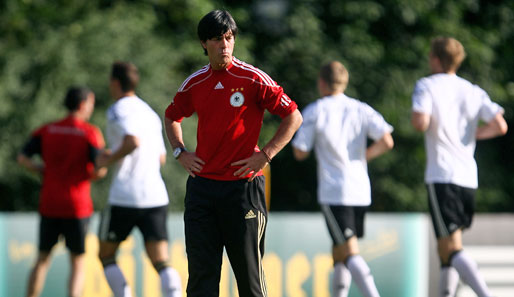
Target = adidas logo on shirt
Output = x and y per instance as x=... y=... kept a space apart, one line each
x=250 y=215
x=219 y=86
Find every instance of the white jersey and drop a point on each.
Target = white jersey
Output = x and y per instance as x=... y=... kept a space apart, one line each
x=137 y=180
x=338 y=127
x=455 y=107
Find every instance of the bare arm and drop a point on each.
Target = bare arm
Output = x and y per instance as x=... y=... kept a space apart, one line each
x=29 y=164
x=379 y=147
x=259 y=160
x=496 y=127
x=420 y=121
x=299 y=155
x=188 y=160
x=284 y=133
x=174 y=133
x=129 y=144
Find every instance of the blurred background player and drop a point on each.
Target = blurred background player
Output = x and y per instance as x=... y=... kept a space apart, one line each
x=337 y=127
x=68 y=149
x=225 y=202
x=448 y=109
x=138 y=196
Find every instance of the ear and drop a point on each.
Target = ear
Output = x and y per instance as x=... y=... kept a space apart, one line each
x=434 y=58
x=204 y=44
x=322 y=84
x=436 y=65
x=82 y=105
x=114 y=85
x=323 y=87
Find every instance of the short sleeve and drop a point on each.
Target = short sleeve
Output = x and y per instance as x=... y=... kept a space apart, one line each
x=121 y=119
x=488 y=109
x=421 y=99
x=180 y=107
x=95 y=142
x=306 y=135
x=377 y=126
x=95 y=138
x=128 y=125
x=273 y=98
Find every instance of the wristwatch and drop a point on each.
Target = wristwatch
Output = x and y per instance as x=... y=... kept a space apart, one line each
x=178 y=151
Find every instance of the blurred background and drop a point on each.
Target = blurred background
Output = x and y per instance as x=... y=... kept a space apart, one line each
x=48 y=45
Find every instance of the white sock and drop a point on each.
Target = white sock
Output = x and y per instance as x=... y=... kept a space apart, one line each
x=116 y=281
x=362 y=276
x=342 y=279
x=170 y=282
x=448 y=281
x=468 y=272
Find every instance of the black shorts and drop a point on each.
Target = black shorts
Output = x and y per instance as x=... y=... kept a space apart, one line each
x=117 y=222
x=451 y=207
x=73 y=230
x=230 y=214
x=344 y=222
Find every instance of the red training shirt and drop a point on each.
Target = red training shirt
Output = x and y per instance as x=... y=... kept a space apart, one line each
x=66 y=149
x=230 y=105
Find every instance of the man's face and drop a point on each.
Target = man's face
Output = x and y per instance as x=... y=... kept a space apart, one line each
x=219 y=49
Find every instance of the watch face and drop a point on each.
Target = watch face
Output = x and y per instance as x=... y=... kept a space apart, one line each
x=176 y=152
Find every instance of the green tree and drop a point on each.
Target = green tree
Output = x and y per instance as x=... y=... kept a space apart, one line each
x=46 y=46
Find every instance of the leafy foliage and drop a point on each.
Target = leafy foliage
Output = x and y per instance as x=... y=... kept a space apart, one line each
x=46 y=46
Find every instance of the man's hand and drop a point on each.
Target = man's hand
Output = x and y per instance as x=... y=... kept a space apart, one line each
x=31 y=165
x=103 y=159
x=495 y=127
x=252 y=165
x=191 y=162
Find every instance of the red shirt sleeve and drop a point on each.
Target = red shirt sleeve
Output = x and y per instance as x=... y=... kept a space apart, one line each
x=276 y=101
x=96 y=142
x=180 y=107
x=95 y=138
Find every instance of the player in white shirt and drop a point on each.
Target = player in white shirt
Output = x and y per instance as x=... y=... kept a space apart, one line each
x=337 y=127
x=449 y=109
x=138 y=196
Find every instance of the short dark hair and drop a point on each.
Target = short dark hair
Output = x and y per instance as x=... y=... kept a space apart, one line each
x=216 y=23
x=75 y=96
x=127 y=74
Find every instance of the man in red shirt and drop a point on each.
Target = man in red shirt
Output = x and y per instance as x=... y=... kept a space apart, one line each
x=225 y=203
x=68 y=148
